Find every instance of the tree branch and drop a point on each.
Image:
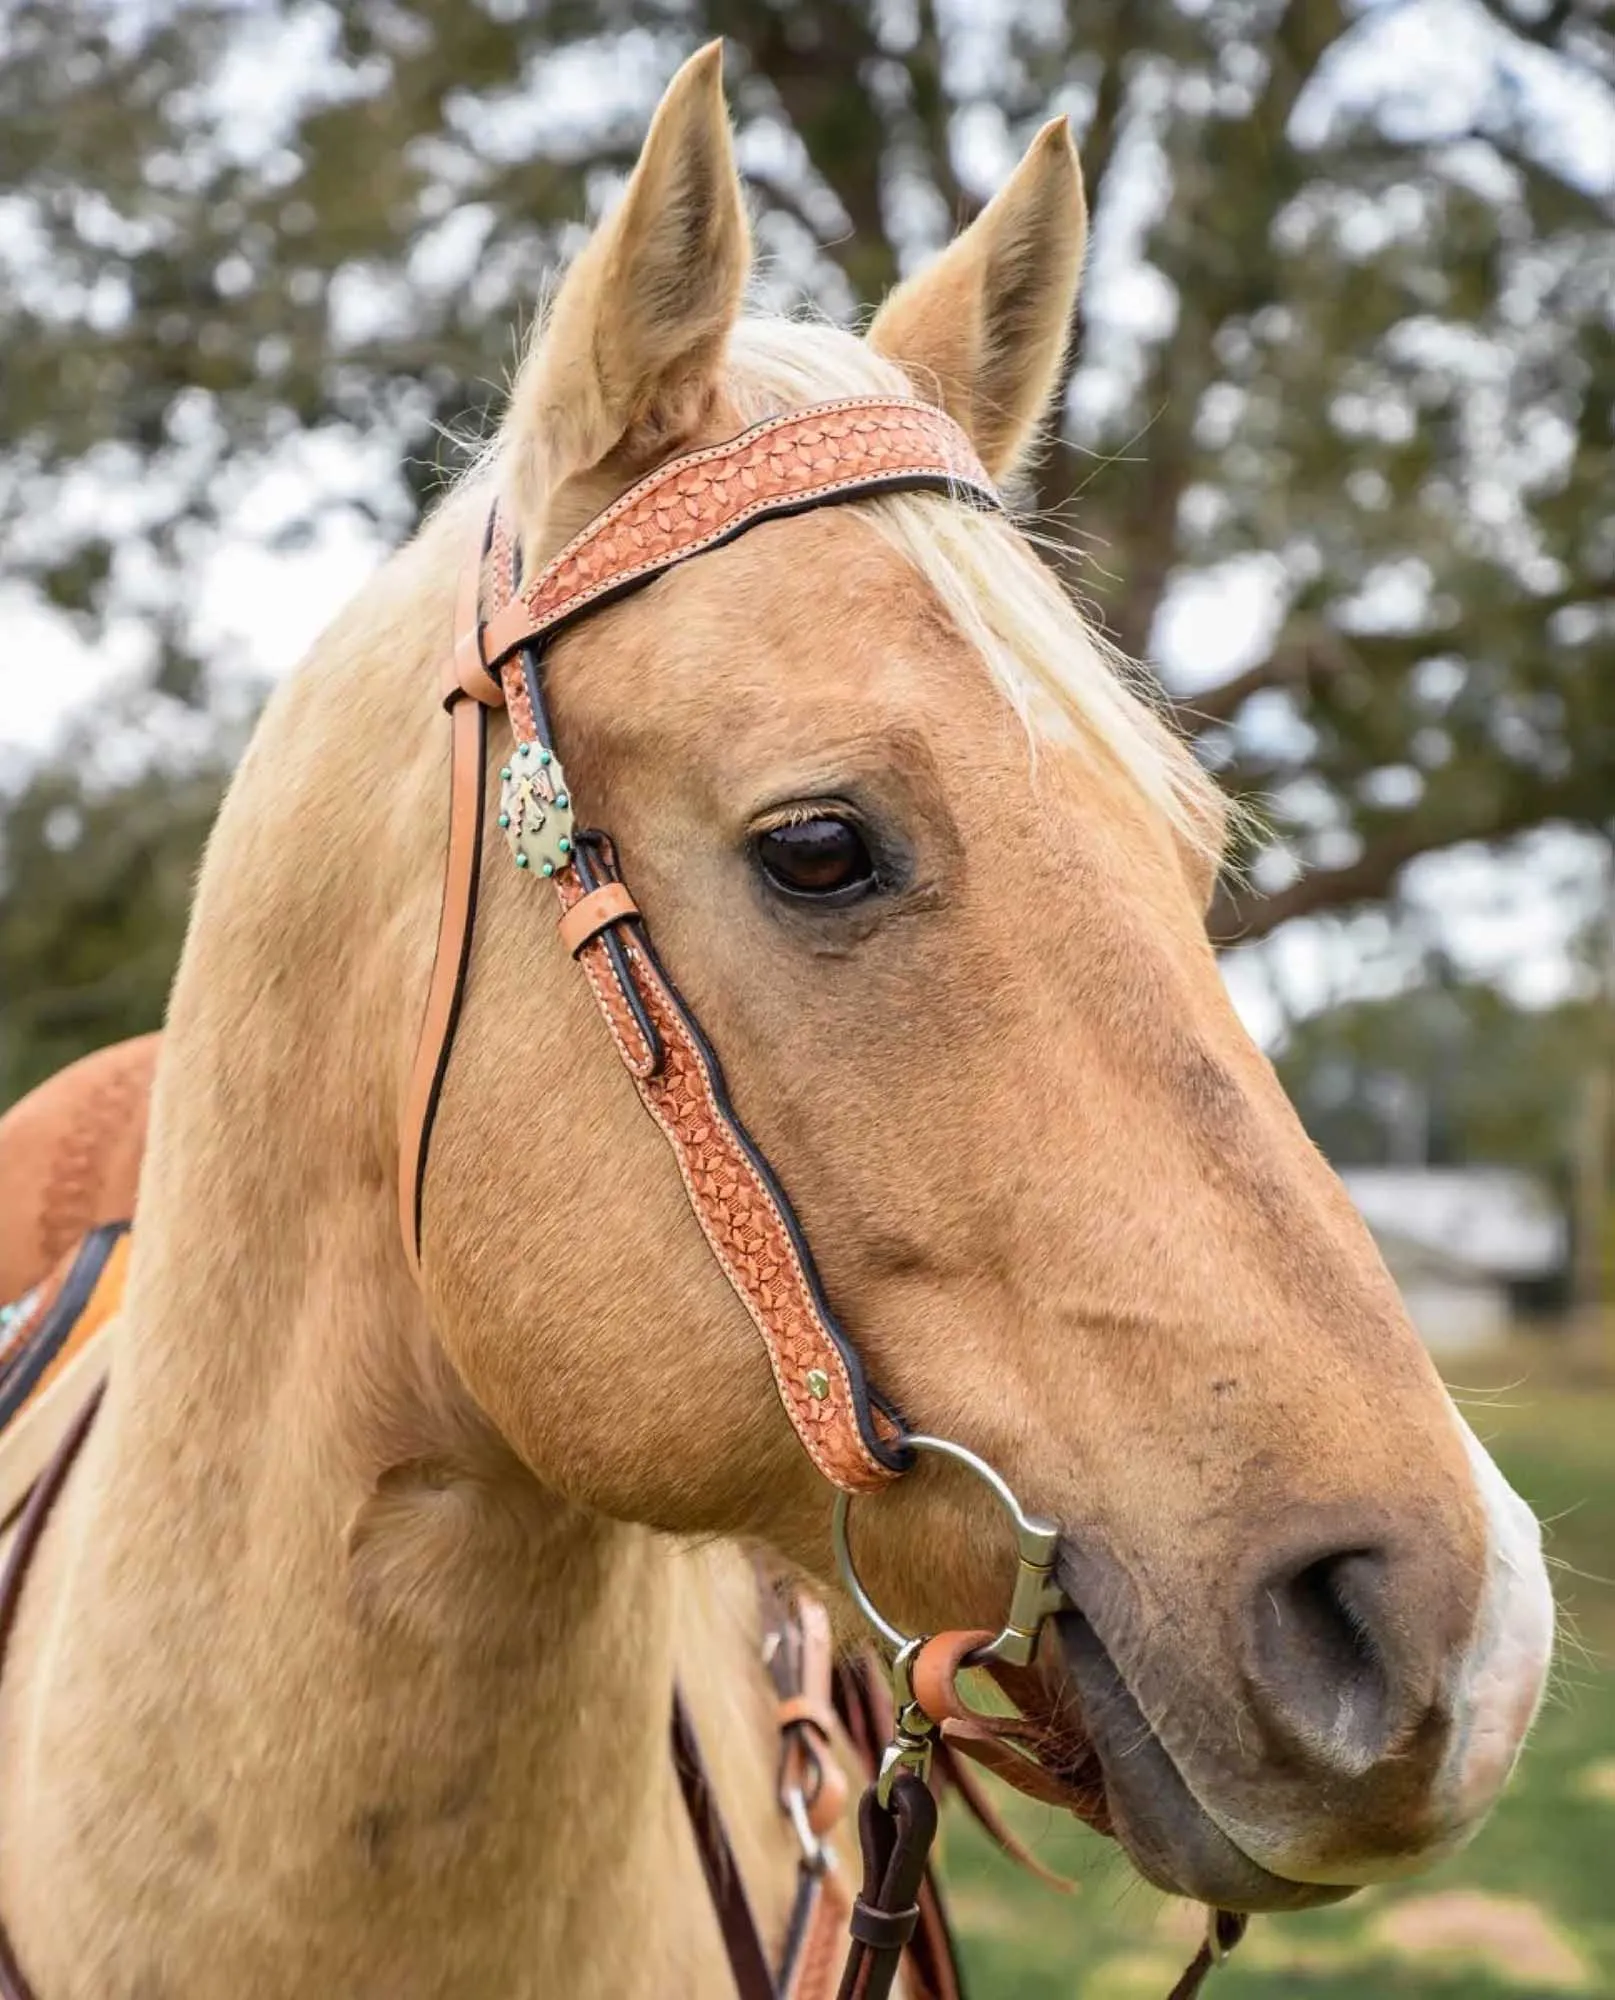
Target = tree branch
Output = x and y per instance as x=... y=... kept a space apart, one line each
x=1302 y=656
x=1241 y=915
x=933 y=114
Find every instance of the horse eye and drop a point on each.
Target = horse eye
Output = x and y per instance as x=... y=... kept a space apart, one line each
x=826 y=859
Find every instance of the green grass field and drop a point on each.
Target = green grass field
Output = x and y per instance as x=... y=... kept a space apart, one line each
x=1527 y=1911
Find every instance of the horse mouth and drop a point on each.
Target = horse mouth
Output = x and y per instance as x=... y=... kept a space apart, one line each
x=1120 y=1778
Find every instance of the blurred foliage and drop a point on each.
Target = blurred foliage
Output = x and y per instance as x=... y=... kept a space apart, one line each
x=95 y=883
x=1354 y=325
x=1443 y=1074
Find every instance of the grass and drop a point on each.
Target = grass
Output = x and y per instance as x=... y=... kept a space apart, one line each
x=1526 y=1912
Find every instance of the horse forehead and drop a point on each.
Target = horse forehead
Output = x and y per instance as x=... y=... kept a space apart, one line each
x=819 y=606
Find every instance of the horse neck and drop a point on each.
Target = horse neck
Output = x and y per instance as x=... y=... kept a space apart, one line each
x=396 y=1719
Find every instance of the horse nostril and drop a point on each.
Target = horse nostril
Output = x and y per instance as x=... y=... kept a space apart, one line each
x=1321 y=1666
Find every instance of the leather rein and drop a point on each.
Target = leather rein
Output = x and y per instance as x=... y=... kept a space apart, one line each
x=851 y=449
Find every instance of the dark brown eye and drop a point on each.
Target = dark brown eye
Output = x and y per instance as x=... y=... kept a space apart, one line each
x=826 y=859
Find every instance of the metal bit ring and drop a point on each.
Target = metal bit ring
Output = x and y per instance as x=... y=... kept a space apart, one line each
x=1035 y=1595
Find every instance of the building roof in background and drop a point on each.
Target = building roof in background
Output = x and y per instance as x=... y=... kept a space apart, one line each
x=1498 y=1220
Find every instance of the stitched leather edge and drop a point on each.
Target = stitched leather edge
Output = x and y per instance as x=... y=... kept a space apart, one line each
x=900 y=444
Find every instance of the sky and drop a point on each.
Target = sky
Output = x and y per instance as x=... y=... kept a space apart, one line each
x=1425 y=62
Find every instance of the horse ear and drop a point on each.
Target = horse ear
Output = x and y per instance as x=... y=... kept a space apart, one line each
x=627 y=360
x=984 y=327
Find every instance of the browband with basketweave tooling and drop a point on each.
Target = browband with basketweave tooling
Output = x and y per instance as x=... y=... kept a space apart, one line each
x=847 y=450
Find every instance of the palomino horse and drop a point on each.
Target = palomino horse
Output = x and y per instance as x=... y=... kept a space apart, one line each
x=345 y=1661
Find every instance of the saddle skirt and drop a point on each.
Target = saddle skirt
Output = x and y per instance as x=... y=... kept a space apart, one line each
x=69 y=1165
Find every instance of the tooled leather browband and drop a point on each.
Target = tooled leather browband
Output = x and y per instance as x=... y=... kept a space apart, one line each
x=851 y=449
x=845 y=450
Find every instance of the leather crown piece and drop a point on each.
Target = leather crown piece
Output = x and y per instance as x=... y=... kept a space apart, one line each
x=847 y=450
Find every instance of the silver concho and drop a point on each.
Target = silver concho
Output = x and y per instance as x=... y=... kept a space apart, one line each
x=535 y=810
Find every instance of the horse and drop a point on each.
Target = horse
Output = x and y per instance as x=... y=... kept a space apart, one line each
x=344 y=1660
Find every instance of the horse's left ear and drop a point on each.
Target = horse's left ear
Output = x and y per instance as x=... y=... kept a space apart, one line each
x=984 y=328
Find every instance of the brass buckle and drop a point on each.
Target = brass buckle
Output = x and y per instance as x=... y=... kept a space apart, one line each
x=1035 y=1595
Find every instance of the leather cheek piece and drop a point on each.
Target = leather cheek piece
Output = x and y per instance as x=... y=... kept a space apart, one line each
x=743 y=1227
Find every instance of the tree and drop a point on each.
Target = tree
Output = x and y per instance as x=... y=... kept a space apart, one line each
x=1360 y=336
x=94 y=888
x=1446 y=1073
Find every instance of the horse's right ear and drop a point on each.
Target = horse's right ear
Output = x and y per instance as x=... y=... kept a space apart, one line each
x=628 y=359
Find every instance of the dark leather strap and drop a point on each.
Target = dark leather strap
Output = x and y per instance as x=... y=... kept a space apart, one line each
x=19 y=1557
x=747 y=1959
x=896 y=1842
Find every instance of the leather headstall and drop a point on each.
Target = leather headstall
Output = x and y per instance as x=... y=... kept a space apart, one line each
x=853 y=449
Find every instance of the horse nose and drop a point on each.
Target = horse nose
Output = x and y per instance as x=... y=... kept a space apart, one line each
x=1348 y=1651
